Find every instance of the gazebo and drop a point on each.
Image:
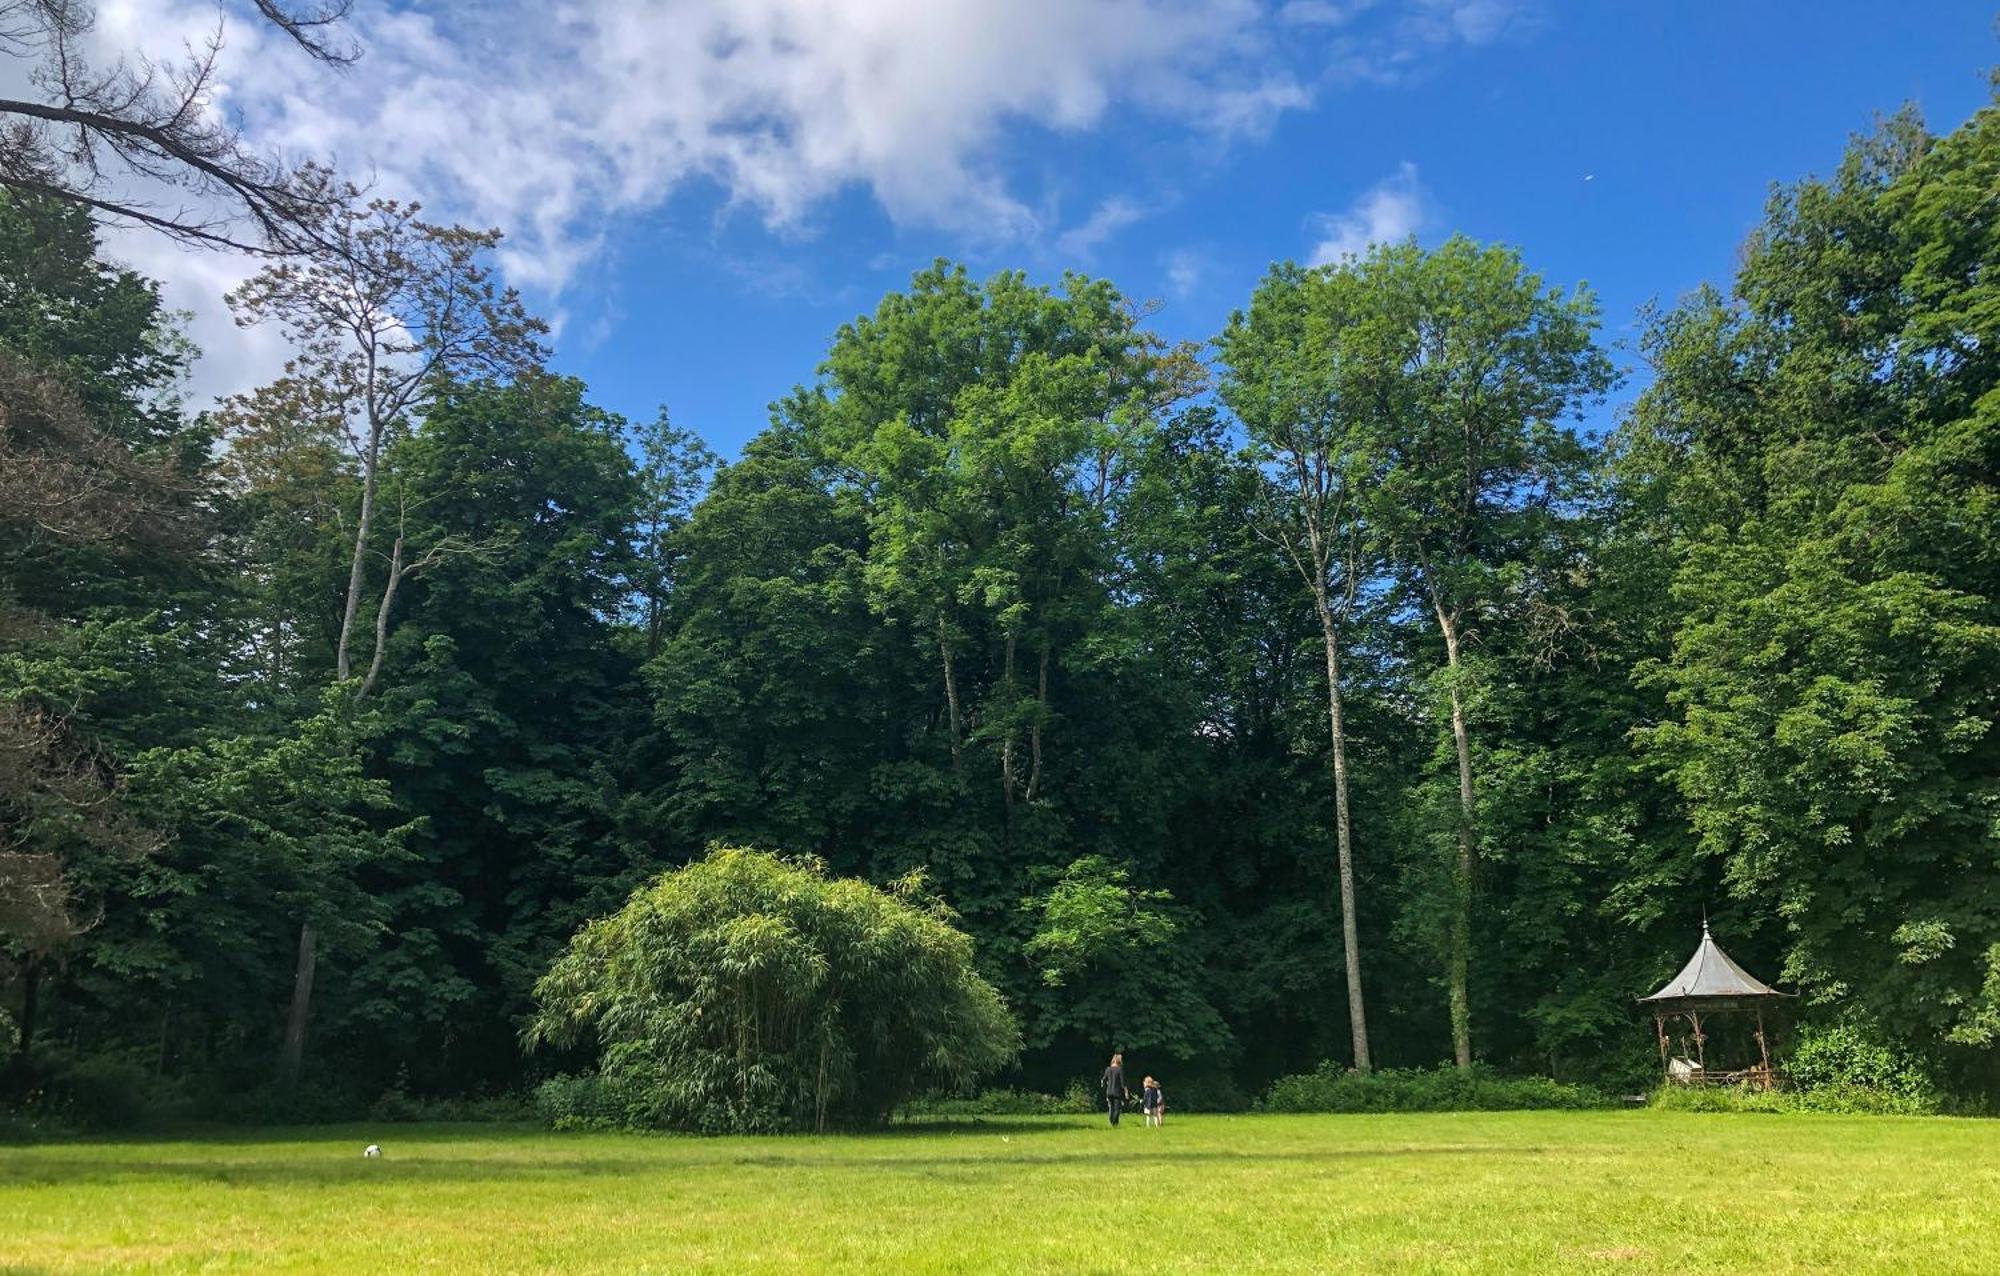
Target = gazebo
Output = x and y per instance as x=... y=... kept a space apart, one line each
x=1711 y=983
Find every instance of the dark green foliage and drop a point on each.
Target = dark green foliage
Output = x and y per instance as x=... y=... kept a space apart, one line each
x=584 y=1102
x=398 y=1104
x=1000 y=1103
x=499 y=719
x=1002 y=597
x=1331 y=1088
x=1098 y=937
x=1836 y=1100
x=744 y=994
x=1818 y=460
x=1850 y=1055
x=100 y=1093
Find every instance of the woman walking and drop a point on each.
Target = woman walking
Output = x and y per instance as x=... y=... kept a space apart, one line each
x=1114 y=1087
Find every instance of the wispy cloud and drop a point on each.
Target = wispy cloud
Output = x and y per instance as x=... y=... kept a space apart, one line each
x=1076 y=244
x=1392 y=209
x=1473 y=21
x=1321 y=13
x=1184 y=267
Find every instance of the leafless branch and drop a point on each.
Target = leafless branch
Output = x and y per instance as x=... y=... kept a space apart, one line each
x=97 y=136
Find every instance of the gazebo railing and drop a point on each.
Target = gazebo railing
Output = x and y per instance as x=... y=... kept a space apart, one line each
x=1684 y=1071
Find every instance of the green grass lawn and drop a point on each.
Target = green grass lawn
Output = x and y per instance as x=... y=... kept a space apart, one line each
x=1530 y=1192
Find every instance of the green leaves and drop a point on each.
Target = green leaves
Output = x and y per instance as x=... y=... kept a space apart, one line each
x=1833 y=673
x=746 y=993
x=1093 y=917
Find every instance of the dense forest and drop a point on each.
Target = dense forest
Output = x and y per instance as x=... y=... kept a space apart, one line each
x=1327 y=691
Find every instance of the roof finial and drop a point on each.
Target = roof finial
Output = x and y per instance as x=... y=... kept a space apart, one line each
x=1704 y=921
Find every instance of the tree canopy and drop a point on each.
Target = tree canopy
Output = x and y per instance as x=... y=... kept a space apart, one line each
x=1330 y=693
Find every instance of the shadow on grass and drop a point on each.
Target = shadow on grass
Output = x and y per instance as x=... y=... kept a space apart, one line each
x=361 y=1133
x=416 y=1169
x=931 y=1127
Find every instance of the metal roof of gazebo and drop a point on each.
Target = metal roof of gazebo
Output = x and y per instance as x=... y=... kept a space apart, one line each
x=1711 y=978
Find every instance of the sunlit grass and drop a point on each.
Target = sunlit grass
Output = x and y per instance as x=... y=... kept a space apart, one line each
x=1529 y=1192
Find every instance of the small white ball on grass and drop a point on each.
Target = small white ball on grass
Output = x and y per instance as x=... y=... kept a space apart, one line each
x=373 y=1149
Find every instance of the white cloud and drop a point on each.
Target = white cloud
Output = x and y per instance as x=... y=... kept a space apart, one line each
x=553 y=121
x=1473 y=21
x=1392 y=209
x=1076 y=244
x=1184 y=268
x=1321 y=13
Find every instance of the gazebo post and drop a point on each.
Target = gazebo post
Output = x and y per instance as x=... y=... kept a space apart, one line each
x=1700 y=1043
x=1660 y=1028
x=1764 y=1049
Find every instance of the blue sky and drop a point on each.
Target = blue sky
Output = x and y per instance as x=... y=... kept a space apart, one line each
x=698 y=192
x=1628 y=145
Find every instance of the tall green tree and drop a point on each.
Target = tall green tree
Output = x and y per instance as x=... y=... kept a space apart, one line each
x=109 y=629
x=502 y=733
x=1818 y=455
x=385 y=312
x=1289 y=383
x=1473 y=363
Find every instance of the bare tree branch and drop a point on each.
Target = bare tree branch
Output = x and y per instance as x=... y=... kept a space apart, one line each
x=98 y=137
x=308 y=29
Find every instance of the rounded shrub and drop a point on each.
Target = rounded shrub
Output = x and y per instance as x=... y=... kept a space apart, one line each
x=103 y=1092
x=573 y=1102
x=1846 y=1066
x=748 y=993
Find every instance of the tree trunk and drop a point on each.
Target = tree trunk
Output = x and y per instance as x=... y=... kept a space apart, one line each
x=382 y=620
x=1007 y=741
x=31 y=984
x=343 y=664
x=1461 y=908
x=1035 y=727
x=656 y=619
x=950 y=693
x=819 y=1089
x=295 y=1024
x=1350 y=935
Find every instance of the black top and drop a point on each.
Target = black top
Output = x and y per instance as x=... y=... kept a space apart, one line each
x=1152 y=1096
x=1114 y=1079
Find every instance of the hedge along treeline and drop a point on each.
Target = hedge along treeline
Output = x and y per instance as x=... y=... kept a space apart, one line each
x=744 y=994
x=999 y=596
x=1330 y=1088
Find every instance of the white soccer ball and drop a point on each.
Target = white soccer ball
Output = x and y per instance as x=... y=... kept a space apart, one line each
x=372 y=1149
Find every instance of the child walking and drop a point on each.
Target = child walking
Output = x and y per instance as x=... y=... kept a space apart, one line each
x=1154 y=1101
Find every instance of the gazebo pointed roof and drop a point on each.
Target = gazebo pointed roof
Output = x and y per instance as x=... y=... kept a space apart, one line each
x=1712 y=973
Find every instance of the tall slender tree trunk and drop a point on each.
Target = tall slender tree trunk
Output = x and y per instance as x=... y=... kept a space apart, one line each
x=1035 y=727
x=295 y=1024
x=343 y=664
x=656 y=619
x=382 y=620
x=1460 y=963
x=950 y=693
x=1007 y=741
x=31 y=986
x=1350 y=934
